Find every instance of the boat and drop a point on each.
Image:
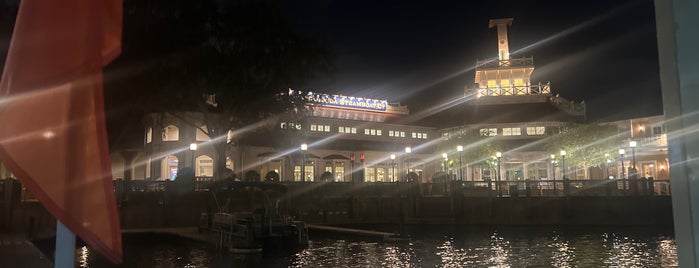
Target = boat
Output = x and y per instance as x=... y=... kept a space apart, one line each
x=247 y=218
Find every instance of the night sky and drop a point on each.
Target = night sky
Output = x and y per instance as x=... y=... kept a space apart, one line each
x=422 y=52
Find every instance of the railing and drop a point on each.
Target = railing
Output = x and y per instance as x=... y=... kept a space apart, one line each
x=533 y=188
x=613 y=187
x=513 y=90
x=518 y=62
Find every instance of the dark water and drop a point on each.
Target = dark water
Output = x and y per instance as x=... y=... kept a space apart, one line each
x=431 y=246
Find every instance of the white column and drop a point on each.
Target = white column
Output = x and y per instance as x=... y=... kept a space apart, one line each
x=676 y=24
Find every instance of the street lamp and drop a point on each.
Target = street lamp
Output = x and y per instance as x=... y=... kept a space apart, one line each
x=393 y=167
x=304 y=147
x=460 y=149
x=633 y=144
x=622 y=152
x=498 y=155
x=408 y=150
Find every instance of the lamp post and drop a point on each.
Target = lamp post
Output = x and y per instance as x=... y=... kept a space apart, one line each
x=460 y=149
x=563 y=170
x=304 y=147
x=633 y=144
x=408 y=150
x=446 y=170
x=393 y=167
x=563 y=163
x=606 y=166
x=553 y=164
x=193 y=147
x=622 y=152
x=498 y=155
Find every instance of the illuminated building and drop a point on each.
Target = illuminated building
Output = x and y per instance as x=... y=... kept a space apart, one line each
x=345 y=133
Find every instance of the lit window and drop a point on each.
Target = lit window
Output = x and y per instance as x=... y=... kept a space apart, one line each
x=373 y=132
x=354 y=130
x=171 y=133
x=535 y=131
x=414 y=135
x=489 y=132
x=505 y=83
x=378 y=132
x=492 y=83
x=314 y=127
x=341 y=129
x=402 y=134
x=390 y=133
x=366 y=131
x=202 y=134
x=511 y=131
x=424 y=135
x=282 y=125
x=326 y=128
x=149 y=135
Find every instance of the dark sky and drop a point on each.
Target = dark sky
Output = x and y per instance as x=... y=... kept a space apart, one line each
x=421 y=52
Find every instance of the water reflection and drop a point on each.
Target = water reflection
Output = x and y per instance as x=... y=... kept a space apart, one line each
x=460 y=247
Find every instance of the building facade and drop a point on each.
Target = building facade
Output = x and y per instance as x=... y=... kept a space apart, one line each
x=501 y=129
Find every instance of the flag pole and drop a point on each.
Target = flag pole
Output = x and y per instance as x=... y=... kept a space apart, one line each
x=65 y=247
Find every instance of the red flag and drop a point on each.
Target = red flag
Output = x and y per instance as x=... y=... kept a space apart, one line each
x=53 y=135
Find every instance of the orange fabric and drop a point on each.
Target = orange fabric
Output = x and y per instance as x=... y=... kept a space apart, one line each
x=53 y=135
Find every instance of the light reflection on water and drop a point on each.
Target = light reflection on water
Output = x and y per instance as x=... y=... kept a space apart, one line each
x=442 y=247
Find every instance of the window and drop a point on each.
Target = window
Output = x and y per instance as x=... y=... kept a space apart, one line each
x=320 y=128
x=489 y=132
x=414 y=135
x=201 y=135
x=348 y=130
x=204 y=166
x=657 y=130
x=536 y=131
x=294 y=126
x=168 y=167
x=492 y=83
x=171 y=133
x=372 y=132
x=397 y=134
x=505 y=83
x=149 y=135
x=537 y=170
x=485 y=174
x=511 y=131
x=369 y=174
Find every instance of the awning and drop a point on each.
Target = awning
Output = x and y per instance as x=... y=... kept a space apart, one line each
x=336 y=157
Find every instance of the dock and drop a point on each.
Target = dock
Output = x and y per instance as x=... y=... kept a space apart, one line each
x=388 y=237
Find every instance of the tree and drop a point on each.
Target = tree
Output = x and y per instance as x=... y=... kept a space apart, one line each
x=226 y=62
x=478 y=149
x=585 y=144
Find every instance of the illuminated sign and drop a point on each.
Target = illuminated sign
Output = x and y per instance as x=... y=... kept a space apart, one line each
x=347 y=102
